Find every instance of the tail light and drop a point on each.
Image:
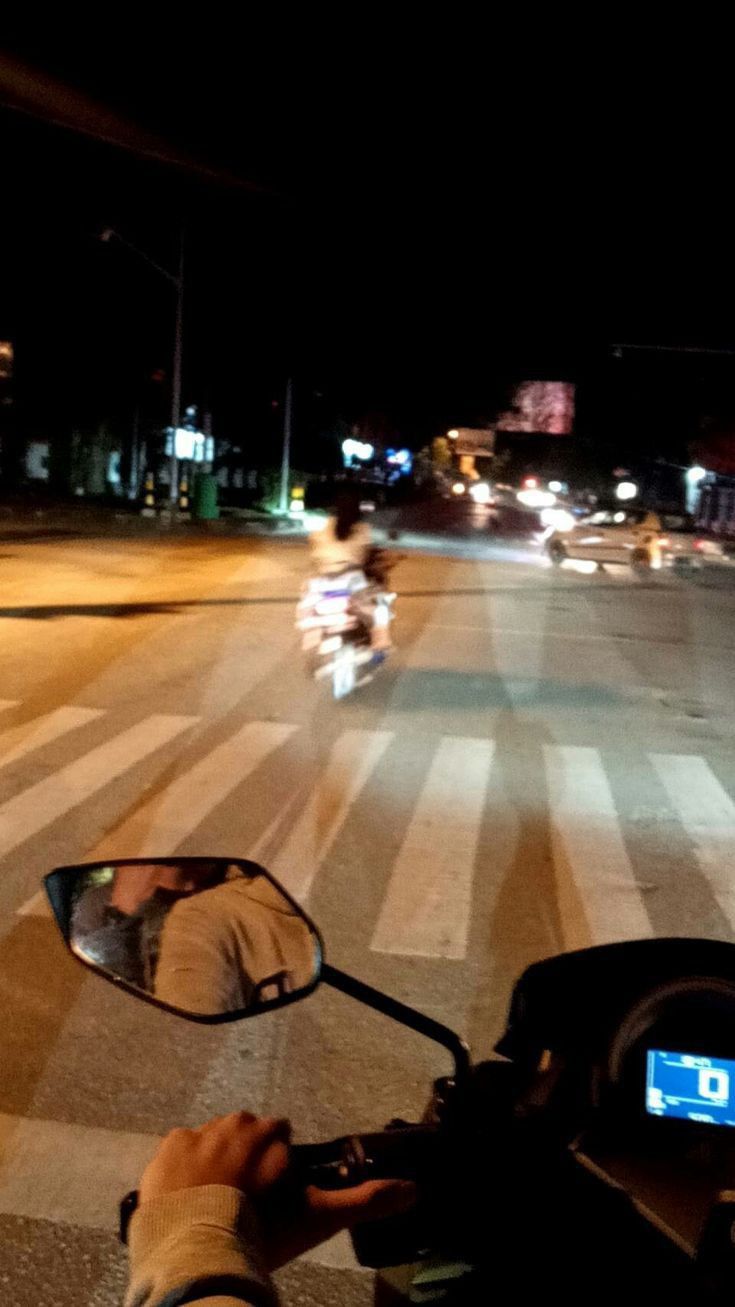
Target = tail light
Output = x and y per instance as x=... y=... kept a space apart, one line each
x=698 y=544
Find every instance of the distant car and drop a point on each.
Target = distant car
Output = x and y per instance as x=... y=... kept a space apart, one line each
x=645 y=540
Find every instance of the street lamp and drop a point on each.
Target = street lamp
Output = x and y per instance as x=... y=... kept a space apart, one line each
x=176 y=280
x=693 y=478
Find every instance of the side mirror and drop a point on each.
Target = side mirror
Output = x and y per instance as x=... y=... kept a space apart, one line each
x=212 y=939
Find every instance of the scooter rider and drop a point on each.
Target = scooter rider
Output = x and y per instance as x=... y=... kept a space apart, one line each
x=208 y=1230
x=345 y=544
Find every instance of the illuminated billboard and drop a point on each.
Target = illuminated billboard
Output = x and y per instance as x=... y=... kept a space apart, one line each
x=540 y=406
x=6 y=360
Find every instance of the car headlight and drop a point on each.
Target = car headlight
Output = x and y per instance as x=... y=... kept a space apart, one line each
x=558 y=519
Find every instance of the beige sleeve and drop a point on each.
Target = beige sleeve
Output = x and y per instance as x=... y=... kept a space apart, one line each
x=195 y=970
x=200 y=1247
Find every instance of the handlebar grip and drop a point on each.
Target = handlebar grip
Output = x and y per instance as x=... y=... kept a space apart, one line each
x=128 y=1206
x=408 y=1153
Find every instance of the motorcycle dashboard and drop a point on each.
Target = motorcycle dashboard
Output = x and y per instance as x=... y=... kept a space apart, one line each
x=690 y=1087
x=664 y=1132
x=672 y=1057
x=642 y=1038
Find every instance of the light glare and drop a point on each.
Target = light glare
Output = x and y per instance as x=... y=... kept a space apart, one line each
x=536 y=498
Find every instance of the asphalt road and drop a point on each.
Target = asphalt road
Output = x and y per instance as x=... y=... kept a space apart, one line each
x=547 y=762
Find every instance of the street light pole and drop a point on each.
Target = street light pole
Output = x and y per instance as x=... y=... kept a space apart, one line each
x=286 y=451
x=176 y=375
x=176 y=280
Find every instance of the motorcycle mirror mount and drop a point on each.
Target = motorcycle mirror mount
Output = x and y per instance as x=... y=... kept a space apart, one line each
x=405 y=1016
x=211 y=940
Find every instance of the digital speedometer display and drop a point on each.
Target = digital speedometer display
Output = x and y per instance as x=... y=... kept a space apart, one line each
x=690 y=1087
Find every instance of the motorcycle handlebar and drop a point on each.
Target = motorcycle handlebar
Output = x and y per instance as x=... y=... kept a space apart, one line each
x=406 y=1153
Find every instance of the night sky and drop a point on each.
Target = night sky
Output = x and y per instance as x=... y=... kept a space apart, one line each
x=429 y=229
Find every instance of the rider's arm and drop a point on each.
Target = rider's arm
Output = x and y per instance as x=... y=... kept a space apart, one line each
x=196 y=1236
x=198 y=1246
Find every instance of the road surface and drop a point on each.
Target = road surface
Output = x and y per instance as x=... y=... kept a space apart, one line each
x=548 y=762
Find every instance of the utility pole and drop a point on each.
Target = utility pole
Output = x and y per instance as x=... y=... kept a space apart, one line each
x=177 y=281
x=176 y=375
x=286 y=452
x=135 y=469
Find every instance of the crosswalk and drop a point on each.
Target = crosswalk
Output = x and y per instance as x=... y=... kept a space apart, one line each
x=27 y=813
x=427 y=906
x=707 y=814
x=309 y=840
x=426 y=909
x=596 y=885
x=182 y=779
x=18 y=741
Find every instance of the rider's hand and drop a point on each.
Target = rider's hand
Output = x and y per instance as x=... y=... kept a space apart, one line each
x=239 y=1150
x=251 y=1154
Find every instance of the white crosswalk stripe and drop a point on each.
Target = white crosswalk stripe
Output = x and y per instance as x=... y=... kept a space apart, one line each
x=17 y=741
x=54 y=1171
x=426 y=910
x=599 y=900
x=160 y=825
x=76 y=1174
x=427 y=904
x=34 y=808
x=350 y=763
x=707 y=814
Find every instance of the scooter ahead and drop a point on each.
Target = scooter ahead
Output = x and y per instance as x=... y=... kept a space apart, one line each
x=337 y=615
x=594 y=1158
x=334 y=619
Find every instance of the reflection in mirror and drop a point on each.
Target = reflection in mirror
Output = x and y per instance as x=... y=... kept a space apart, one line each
x=209 y=937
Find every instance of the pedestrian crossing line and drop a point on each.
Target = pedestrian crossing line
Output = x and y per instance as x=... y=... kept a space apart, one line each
x=707 y=814
x=349 y=766
x=17 y=741
x=41 y=804
x=161 y=824
x=599 y=899
x=427 y=906
x=55 y=1171
x=426 y=911
x=75 y=1175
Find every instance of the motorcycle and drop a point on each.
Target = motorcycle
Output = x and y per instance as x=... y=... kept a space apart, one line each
x=336 y=635
x=336 y=615
x=593 y=1157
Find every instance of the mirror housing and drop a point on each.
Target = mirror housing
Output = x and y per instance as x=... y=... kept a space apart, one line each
x=210 y=939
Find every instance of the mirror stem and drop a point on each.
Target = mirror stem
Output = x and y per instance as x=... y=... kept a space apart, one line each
x=407 y=1016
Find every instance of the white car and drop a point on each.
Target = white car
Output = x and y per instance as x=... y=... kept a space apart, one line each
x=644 y=540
